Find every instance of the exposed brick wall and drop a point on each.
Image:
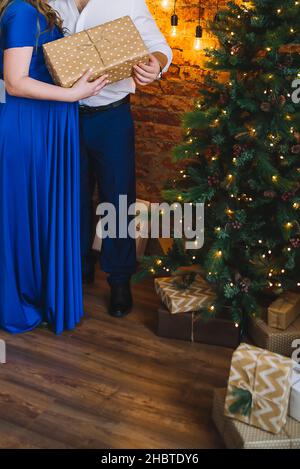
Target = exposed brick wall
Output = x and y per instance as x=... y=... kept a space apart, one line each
x=158 y=108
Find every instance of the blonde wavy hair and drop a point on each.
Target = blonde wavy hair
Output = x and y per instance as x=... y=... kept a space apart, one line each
x=52 y=17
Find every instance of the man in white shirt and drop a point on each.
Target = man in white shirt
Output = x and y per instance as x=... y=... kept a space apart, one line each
x=107 y=131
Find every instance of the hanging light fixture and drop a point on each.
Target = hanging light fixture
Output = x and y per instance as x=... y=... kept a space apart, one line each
x=174 y=21
x=199 y=31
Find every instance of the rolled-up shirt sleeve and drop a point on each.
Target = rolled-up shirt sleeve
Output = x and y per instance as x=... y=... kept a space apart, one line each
x=150 y=32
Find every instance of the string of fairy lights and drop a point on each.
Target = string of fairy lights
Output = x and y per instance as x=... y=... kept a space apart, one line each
x=275 y=178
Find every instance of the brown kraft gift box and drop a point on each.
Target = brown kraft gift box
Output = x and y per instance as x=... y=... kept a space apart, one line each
x=112 y=48
x=192 y=328
x=272 y=339
x=284 y=311
x=179 y=326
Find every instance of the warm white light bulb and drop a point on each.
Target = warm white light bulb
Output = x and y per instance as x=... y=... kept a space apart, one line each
x=197 y=43
x=165 y=3
x=174 y=31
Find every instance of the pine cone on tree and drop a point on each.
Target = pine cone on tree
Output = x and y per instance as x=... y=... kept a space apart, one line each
x=237 y=150
x=236 y=49
x=295 y=149
x=244 y=285
x=236 y=225
x=282 y=100
x=297 y=137
x=213 y=180
x=287 y=196
x=295 y=242
x=270 y=194
x=265 y=107
x=223 y=99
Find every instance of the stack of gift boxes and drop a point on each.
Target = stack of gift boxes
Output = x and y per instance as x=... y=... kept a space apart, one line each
x=179 y=317
x=279 y=330
x=261 y=406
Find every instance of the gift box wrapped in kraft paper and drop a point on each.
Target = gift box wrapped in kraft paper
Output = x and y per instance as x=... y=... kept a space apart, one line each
x=275 y=340
x=112 y=48
x=259 y=388
x=284 y=311
x=198 y=295
x=239 y=435
x=192 y=328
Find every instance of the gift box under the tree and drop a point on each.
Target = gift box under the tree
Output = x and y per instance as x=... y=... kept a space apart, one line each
x=193 y=328
x=259 y=388
x=184 y=300
x=284 y=311
x=272 y=339
x=294 y=407
x=239 y=435
x=112 y=48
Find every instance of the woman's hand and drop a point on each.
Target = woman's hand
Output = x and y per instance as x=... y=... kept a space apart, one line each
x=19 y=83
x=84 y=88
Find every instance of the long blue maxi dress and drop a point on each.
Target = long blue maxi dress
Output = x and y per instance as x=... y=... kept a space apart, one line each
x=40 y=265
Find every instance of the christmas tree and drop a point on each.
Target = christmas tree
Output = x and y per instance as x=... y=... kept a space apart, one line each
x=241 y=157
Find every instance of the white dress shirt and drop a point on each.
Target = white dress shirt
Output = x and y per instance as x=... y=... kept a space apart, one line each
x=101 y=11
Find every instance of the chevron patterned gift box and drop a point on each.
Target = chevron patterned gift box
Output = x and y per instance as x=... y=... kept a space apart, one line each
x=239 y=435
x=259 y=388
x=198 y=295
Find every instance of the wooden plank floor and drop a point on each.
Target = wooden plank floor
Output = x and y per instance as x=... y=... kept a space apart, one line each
x=109 y=384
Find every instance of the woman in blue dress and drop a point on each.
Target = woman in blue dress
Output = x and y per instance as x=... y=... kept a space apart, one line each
x=40 y=265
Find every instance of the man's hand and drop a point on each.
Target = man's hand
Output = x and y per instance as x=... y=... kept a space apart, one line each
x=146 y=74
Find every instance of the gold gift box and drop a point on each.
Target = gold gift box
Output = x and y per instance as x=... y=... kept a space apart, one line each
x=284 y=311
x=239 y=435
x=259 y=388
x=112 y=48
x=274 y=340
x=198 y=295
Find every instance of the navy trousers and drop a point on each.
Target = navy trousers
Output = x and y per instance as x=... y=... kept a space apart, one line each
x=108 y=161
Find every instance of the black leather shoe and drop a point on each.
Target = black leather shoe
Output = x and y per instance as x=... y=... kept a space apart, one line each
x=120 y=300
x=88 y=278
